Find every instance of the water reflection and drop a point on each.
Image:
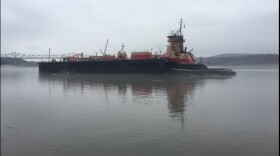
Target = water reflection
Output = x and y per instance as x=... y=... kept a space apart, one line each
x=174 y=90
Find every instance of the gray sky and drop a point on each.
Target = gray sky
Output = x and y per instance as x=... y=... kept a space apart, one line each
x=212 y=26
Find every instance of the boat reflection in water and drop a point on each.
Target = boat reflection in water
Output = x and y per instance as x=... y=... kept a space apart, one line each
x=174 y=90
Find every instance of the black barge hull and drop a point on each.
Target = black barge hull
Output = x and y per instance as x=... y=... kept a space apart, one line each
x=129 y=66
x=108 y=66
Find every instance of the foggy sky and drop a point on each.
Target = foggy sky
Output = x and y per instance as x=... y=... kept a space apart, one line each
x=212 y=26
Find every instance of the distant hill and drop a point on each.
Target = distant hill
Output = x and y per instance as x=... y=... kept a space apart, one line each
x=17 y=62
x=232 y=55
x=242 y=59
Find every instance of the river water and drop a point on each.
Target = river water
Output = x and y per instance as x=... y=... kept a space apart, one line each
x=136 y=115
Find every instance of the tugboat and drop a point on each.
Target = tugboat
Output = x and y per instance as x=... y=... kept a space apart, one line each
x=181 y=60
x=175 y=59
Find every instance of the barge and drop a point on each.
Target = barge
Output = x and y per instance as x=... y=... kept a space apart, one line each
x=175 y=59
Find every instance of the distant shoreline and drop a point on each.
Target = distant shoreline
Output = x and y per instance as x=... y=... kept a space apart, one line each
x=17 y=62
x=241 y=59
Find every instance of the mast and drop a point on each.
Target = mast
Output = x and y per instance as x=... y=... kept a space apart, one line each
x=106 y=46
x=180 y=29
x=104 y=53
x=122 y=47
x=49 y=54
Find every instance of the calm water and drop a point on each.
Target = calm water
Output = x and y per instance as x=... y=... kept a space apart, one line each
x=151 y=115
